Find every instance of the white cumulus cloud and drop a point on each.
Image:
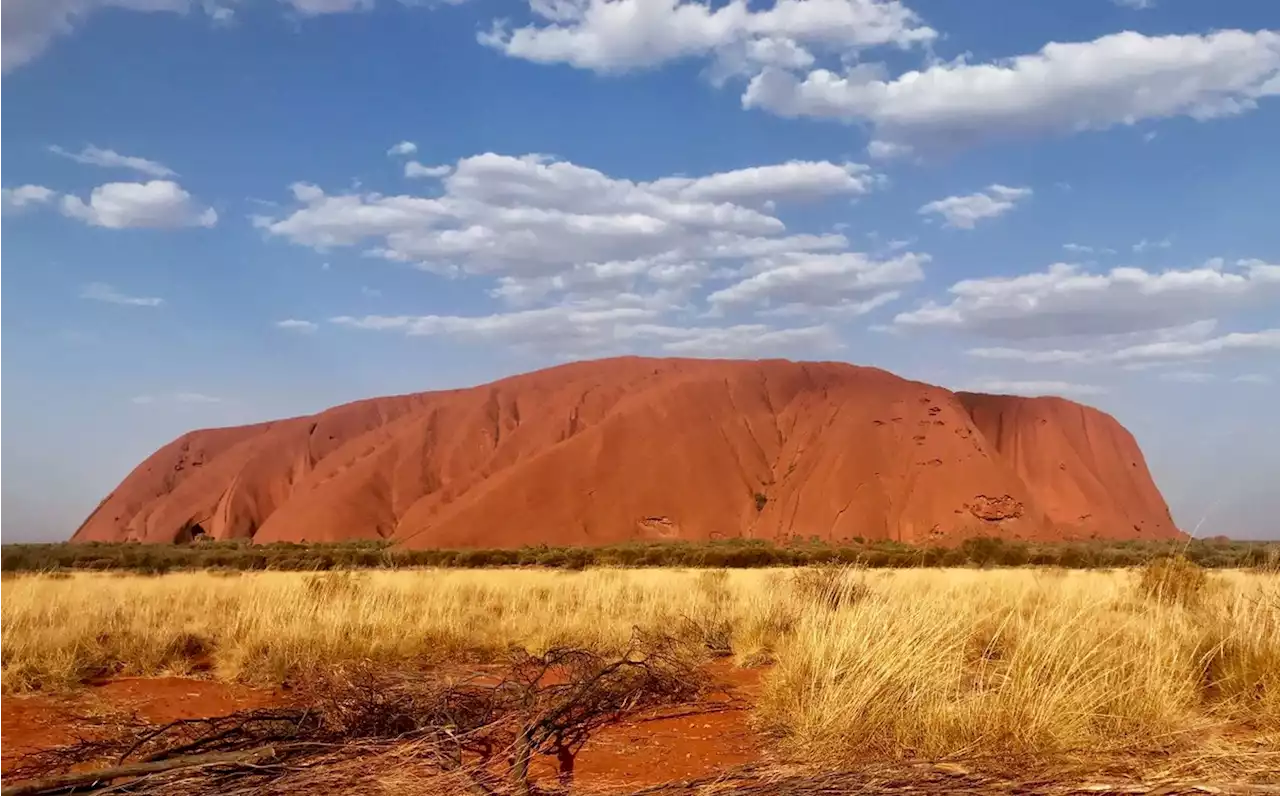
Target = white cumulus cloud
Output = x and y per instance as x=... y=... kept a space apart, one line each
x=590 y=263
x=1066 y=87
x=156 y=204
x=543 y=225
x=27 y=195
x=620 y=35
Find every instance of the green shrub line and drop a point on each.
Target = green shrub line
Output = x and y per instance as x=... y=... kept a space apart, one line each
x=734 y=553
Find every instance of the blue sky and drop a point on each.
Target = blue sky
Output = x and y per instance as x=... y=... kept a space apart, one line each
x=220 y=212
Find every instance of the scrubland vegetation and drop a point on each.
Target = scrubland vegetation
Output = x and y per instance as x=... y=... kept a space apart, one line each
x=1218 y=553
x=921 y=662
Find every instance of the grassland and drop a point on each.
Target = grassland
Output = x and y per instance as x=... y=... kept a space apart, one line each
x=921 y=662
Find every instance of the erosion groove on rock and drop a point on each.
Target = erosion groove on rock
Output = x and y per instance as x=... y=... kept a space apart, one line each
x=634 y=448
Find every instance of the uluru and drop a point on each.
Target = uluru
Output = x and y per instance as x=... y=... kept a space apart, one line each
x=633 y=448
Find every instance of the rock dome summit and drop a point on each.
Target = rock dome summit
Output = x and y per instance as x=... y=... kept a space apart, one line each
x=631 y=448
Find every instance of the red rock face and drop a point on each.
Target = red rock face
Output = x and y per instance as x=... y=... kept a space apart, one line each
x=632 y=448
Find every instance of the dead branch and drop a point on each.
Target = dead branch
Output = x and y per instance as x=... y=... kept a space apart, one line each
x=548 y=704
x=90 y=780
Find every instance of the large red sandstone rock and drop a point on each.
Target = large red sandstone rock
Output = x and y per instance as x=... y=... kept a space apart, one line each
x=633 y=448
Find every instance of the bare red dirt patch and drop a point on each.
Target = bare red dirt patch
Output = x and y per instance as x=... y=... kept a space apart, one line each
x=30 y=723
x=682 y=742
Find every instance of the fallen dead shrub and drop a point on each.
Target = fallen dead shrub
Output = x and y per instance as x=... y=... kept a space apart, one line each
x=480 y=730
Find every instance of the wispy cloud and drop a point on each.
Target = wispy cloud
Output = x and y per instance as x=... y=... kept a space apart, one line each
x=295 y=325
x=1034 y=388
x=1080 y=248
x=1188 y=376
x=414 y=169
x=109 y=158
x=1145 y=245
x=963 y=212
x=176 y=398
x=100 y=291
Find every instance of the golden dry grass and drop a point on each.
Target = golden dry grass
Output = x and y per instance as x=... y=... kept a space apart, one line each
x=930 y=663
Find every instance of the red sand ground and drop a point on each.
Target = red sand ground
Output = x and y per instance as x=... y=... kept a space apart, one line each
x=28 y=723
x=680 y=743
x=632 y=448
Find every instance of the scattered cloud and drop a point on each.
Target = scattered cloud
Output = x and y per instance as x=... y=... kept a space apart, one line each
x=26 y=195
x=1077 y=248
x=107 y=158
x=1187 y=376
x=1149 y=136
x=403 y=149
x=415 y=169
x=590 y=263
x=1137 y=5
x=28 y=27
x=594 y=327
x=1145 y=245
x=1189 y=343
x=622 y=35
x=1035 y=388
x=1252 y=378
x=963 y=212
x=1117 y=79
x=796 y=180
x=99 y=291
x=294 y=325
x=543 y=226
x=370 y=292
x=221 y=15
x=848 y=280
x=177 y=398
x=1066 y=300
x=1172 y=350
x=314 y=8
x=156 y=204
x=887 y=150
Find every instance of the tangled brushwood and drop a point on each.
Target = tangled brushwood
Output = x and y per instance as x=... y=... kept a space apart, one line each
x=479 y=732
